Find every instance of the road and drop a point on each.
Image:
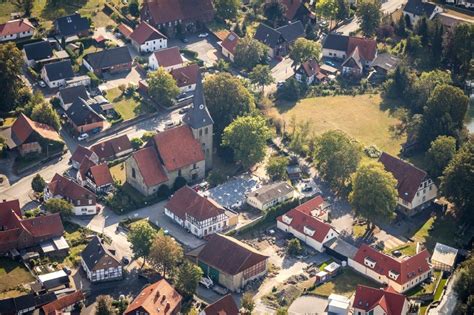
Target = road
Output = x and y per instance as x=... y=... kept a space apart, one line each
x=387 y=8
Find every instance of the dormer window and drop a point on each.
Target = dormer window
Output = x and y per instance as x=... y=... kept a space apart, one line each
x=308 y=231
x=286 y=219
x=369 y=262
x=393 y=274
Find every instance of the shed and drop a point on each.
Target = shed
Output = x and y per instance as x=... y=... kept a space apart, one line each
x=444 y=257
x=53 y=279
x=338 y=304
x=321 y=277
x=332 y=268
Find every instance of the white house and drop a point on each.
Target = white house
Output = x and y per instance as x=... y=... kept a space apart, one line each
x=198 y=214
x=375 y=301
x=416 y=190
x=168 y=58
x=145 y=38
x=303 y=223
x=16 y=29
x=416 y=9
x=100 y=263
x=186 y=77
x=57 y=73
x=229 y=44
x=270 y=195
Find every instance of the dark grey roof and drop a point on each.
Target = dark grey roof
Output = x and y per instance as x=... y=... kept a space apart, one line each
x=386 y=61
x=70 y=94
x=291 y=31
x=44 y=299
x=94 y=251
x=109 y=57
x=336 y=42
x=198 y=116
x=80 y=113
x=420 y=8
x=38 y=51
x=267 y=35
x=21 y=303
x=59 y=70
x=71 y=25
x=8 y=306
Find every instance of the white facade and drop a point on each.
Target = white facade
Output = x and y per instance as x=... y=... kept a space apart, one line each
x=16 y=36
x=187 y=88
x=111 y=273
x=151 y=45
x=415 y=18
x=427 y=192
x=256 y=203
x=379 y=310
x=201 y=228
x=227 y=54
x=154 y=65
x=51 y=84
x=332 y=53
x=306 y=237
x=88 y=208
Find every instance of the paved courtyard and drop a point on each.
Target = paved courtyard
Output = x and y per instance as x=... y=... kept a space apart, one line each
x=232 y=194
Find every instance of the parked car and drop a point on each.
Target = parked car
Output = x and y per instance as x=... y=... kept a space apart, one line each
x=203 y=35
x=169 y=124
x=185 y=40
x=280 y=84
x=206 y=282
x=220 y=290
x=396 y=253
x=125 y=260
x=83 y=136
x=307 y=189
x=67 y=270
x=41 y=83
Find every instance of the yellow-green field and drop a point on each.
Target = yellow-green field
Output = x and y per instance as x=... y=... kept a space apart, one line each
x=359 y=116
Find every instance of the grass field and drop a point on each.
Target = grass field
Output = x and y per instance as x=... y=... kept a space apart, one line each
x=127 y=107
x=359 y=116
x=344 y=284
x=12 y=274
x=118 y=172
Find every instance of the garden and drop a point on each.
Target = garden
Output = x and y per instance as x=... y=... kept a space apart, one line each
x=128 y=103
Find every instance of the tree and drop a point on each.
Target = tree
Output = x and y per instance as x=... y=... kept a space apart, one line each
x=327 y=8
x=276 y=167
x=337 y=157
x=437 y=44
x=247 y=304
x=422 y=31
x=227 y=9
x=45 y=113
x=104 y=305
x=343 y=10
x=247 y=137
x=464 y=287
x=226 y=98
x=294 y=247
x=188 y=278
x=459 y=50
x=147 y=136
x=58 y=205
x=249 y=52
x=164 y=191
x=11 y=64
x=458 y=179
x=274 y=11
x=304 y=50
x=38 y=184
x=165 y=254
x=439 y=155
x=133 y=8
x=261 y=75
x=422 y=87
x=179 y=182
x=25 y=5
x=162 y=87
x=370 y=14
x=136 y=143
x=444 y=114
x=141 y=239
x=290 y=91
x=374 y=194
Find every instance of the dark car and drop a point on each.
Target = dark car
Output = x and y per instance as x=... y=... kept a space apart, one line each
x=125 y=260
x=396 y=253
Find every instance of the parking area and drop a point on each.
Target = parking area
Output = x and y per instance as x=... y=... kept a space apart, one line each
x=307 y=188
x=206 y=48
x=123 y=78
x=232 y=194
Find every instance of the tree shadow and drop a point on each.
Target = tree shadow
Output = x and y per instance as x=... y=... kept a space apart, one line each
x=53 y=11
x=392 y=105
x=284 y=106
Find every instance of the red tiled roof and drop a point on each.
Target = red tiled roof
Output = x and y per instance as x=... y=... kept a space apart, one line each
x=168 y=57
x=186 y=75
x=125 y=30
x=408 y=176
x=63 y=302
x=66 y=188
x=24 y=126
x=178 y=148
x=230 y=42
x=224 y=306
x=188 y=201
x=367 y=47
x=49 y=225
x=367 y=298
x=229 y=255
x=145 y=32
x=164 y=11
x=6 y=208
x=149 y=166
x=80 y=154
x=311 y=67
x=15 y=27
x=111 y=148
x=301 y=218
x=156 y=299
x=85 y=167
x=101 y=175
x=407 y=268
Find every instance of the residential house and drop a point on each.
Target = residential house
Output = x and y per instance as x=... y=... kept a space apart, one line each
x=224 y=306
x=450 y=21
x=17 y=233
x=296 y=10
x=31 y=137
x=383 y=64
x=168 y=58
x=279 y=40
x=64 y=304
x=100 y=262
x=56 y=74
x=25 y=303
x=145 y=38
x=375 y=301
x=72 y=25
x=82 y=153
x=97 y=177
x=36 y=52
x=416 y=9
x=83 y=201
x=186 y=77
x=53 y=280
x=112 y=60
x=309 y=72
x=304 y=224
x=159 y=298
x=113 y=149
x=69 y=95
x=400 y=274
x=444 y=257
x=173 y=16
x=16 y=29
x=229 y=44
x=270 y=195
x=415 y=189
x=229 y=262
x=125 y=30
x=198 y=214
x=83 y=118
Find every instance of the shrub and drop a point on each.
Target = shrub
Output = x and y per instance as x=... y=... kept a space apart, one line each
x=164 y=191
x=95 y=81
x=179 y=182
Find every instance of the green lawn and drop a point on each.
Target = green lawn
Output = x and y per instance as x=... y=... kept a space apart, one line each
x=425 y=288
x=439 y=289
x=131 y=223
x=118 y=172
x=13 y=274
x=344 y=284
x=359 y=116
x=126 y=107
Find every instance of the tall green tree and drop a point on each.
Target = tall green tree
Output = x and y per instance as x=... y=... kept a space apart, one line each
x=11 y=64
x=337 y=157
x=247 y=137
x=439 y=155
x=370 y=15
x=294 y=247
x=165 y=254
x=25 y=5
x=304 y=50
x=437 y=44
x=162 y=87
x=249 y=53
x=458 y=179
x=261 y=75
x=46 y=114
x=459 y=50
x=38 y=184
x=374 y=194
x=422 y=87
x=134 y=8
x=276 y=167
x=187 y=279
x=423 y=31
x=327 y=9
x=464 y=288
x=141 y=237
x=58 y=205
x=227 y=9
x=343 y=10
x=104 y=305
x=274 y=11
x=226 y=98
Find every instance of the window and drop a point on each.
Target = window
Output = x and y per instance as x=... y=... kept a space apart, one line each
x=206 y=131
x=133 y=173
x=194 y=165
x=200 y=132
x=424 y=191
x=179 y=172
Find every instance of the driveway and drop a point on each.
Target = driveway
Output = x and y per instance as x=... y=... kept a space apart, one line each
x=125 y=78
x=101 y=31
x=207 y=48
